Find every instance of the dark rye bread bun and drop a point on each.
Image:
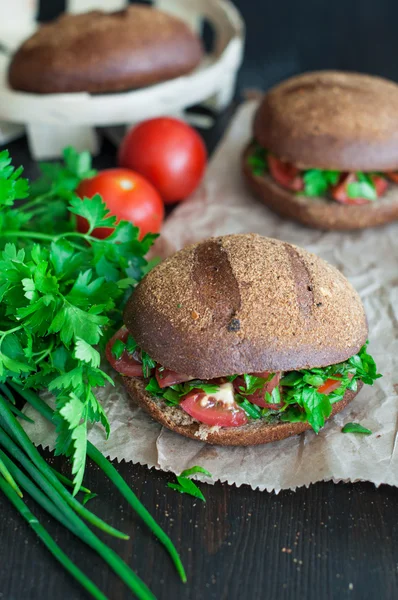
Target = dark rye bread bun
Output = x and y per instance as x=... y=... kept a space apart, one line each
x=105 y=52
x=254 y=433
x=321 y=213
x=331 y=120
x=242 y=304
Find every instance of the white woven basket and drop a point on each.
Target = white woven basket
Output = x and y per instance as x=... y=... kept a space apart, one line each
x=53 y=121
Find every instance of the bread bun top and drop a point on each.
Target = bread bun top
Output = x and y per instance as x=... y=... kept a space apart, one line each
x=243 y=304
x=331 y=120
x=105 y=51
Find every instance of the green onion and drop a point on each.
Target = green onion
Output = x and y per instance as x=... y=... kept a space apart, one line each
x=9 y=479
x=110 y=471
x=52 y=546
x=7 y=392
x=69 y=482
x=19 y=414
x=22 y=439
x=70 y=520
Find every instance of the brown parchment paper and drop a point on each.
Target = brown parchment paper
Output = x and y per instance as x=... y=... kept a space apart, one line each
x=370 y=261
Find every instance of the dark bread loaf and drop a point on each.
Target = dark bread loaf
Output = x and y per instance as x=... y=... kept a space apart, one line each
x=105 y=52
x=318 y=212
x=331 y=120
x=244 y=304
x=254 y=433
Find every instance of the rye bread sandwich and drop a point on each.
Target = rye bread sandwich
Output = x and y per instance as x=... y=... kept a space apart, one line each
x=243 y=340
x=324 y=150
x=105 y=52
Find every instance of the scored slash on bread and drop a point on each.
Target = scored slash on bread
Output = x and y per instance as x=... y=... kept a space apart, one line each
x=331 y=120
x=320 y=212
x=254 y=433
x=241 y=304
x=245 y=304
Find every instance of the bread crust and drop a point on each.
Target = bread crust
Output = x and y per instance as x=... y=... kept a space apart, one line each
x=243 y=304
x=254 y=433
x=331 y=120
x=105 y=52
x=317 y=212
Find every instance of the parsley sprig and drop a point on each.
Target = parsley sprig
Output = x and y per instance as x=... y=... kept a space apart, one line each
x=257 y=160
x=363 y=188
x=317 y=182
x=186 y=485
x=356 y=428
x=304 y=401
x=60 y=293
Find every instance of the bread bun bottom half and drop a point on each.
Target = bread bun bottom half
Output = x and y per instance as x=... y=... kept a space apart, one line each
x=254 y=433
x=318 y=212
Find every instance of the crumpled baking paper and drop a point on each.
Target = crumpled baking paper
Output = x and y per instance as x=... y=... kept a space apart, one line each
x=370 y=261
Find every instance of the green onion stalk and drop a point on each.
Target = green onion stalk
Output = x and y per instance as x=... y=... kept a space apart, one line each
x=49 y=489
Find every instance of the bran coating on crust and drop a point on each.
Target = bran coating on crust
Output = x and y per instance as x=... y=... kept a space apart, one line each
x=331 y=120
x=244 y=304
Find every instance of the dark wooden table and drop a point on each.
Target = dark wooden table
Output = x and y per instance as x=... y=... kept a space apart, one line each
x=326 y=542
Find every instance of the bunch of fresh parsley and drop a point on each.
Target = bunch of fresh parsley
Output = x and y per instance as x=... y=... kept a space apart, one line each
x=61 y=292
x=317 y=182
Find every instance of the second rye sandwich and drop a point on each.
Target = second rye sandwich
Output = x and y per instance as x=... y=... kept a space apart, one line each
x=242 y=340
x=325 y=150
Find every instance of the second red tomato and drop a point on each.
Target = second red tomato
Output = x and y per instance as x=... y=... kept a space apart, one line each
x=128 y=196
x=169 y=153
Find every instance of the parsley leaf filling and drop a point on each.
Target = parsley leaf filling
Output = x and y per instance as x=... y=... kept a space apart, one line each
x=318 y=182
x=297 y=398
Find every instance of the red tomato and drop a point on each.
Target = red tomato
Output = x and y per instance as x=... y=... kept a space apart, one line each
x=329 y=386
x=128 y=196
x=166 y=377
x=127 y=364
x=207 y=409
x=339 y=191
x=393 y=176
x=381 y=184
x=287 y=175
x=169 y=153
x=258 y=397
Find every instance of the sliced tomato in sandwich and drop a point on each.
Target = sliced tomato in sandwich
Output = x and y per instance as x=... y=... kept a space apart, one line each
x=393 y=176
x=339 y=192
x=127 y=364
x=166 y=377
x=331 y=385
x=286 y=174
x=219 y=408
x=381 y=184
x=258 y=397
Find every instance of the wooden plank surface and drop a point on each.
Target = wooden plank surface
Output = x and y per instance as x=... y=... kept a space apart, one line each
x=328 y=542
